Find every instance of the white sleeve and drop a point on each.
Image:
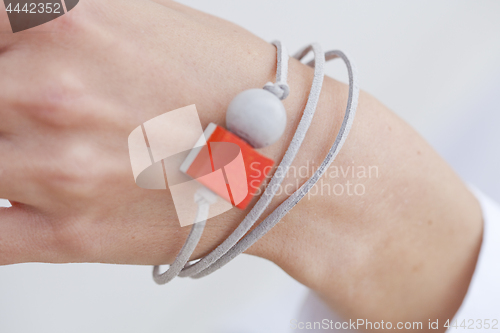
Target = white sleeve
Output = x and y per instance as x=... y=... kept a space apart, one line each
x=480 y=309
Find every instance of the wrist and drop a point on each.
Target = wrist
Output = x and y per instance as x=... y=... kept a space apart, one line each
x=300 y=79
x=404 y=247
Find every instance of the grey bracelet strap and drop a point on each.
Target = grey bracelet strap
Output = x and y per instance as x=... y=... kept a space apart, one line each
x=279 y=175
x=280 y=88
x=204 y=198
x=288 y=204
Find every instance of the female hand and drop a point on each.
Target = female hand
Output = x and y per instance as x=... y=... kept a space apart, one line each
x=71 y=92
x=73 y=89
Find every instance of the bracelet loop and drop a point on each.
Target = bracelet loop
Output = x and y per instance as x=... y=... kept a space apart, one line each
x=237 y=242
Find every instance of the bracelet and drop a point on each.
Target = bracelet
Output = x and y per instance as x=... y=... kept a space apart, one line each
x=237 y=242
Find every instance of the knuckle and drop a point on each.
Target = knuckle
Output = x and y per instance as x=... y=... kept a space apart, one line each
x=74 y=172
x=54 y=101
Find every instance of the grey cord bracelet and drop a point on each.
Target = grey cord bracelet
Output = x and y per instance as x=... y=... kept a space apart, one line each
x=204 y=198
x=179 y=266
x=288 y=204
x=237 y=242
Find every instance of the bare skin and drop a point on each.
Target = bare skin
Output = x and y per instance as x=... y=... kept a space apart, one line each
x=404 y=250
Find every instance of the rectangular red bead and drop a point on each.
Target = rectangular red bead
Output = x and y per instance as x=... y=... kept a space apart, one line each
x=210 y=158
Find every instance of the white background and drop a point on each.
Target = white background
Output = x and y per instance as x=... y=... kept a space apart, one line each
x=435 y=63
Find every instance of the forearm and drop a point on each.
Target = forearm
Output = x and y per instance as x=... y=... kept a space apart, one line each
x=402 y=246
x=403 y=243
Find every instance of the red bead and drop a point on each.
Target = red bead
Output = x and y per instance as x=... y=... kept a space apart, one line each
x=243 y=173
